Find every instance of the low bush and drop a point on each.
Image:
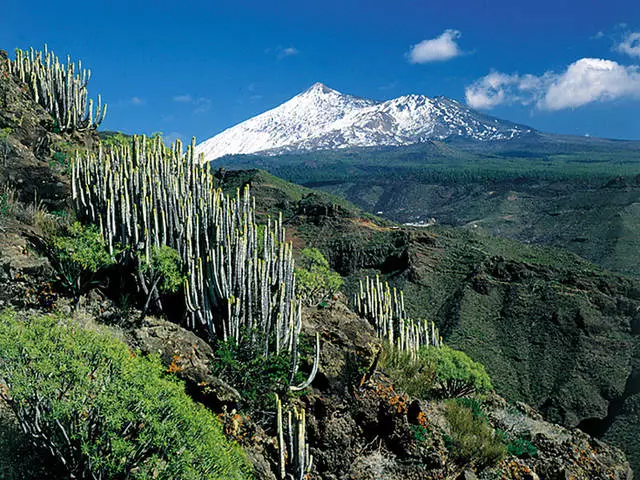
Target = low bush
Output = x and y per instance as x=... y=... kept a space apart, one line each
x=78 y=254
x=409 y=374
x=517 y=446
x=256 y=377
x=436 y=372
x=315 y=281
x=471 y=439
x=102 y=411
x=161 y=274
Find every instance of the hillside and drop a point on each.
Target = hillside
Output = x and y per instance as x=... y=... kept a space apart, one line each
x=575 y=193
x=554 y=330
x=108 y=380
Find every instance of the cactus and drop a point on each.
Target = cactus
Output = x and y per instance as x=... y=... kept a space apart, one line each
x=384 y=308
x=294 y=454
x=58 y=88
x=145 y=195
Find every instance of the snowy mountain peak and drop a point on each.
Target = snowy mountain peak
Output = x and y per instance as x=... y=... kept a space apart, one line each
x=321 y=118
x=320 y=89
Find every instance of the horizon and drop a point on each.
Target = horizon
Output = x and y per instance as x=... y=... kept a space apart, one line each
x=201 y=69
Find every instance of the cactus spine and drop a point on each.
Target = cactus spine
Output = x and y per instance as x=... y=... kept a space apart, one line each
x=384 y=308
x=58 y=88
x=147 y=195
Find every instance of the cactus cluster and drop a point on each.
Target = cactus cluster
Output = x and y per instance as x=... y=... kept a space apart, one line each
x=294 y=459
x=240 y=281
x=384 y=308
x=59 y=89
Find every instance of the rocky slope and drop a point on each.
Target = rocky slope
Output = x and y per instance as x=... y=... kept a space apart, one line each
x=552 y=329
x=35 y=157
x=321 y=118
x=360 y=426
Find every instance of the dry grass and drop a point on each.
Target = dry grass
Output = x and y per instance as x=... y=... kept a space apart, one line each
x=31 y=213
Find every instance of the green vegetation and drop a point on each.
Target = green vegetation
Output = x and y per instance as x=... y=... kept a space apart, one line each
x=8 y=201
x=408 y=372
x=550 y=158
x=419 y=433
x=435 y=372
x=521 y=448
x=5 y=147
x=115 y=139
x=150 y=195
x=456 y=375
x=471 y=439
x=315 y=281
x=62 y=153
x=78 y=255
x=161 y=273
x=104 y=412
x=257 y=378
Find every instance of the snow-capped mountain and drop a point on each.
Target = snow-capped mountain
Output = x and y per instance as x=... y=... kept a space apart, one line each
x=321 y=118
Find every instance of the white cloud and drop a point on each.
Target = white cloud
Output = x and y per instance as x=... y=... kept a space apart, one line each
x=289 y=51
x=436 y=49
x=585 y=81
x=183 y=98
x=491 y=90
x=133 y=101
x=281 y=52
x=630 y=45
x=202 y=104
x=589 y=80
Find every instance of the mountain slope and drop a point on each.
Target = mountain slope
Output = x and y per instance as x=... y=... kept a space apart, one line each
x=552 y=329
x=321 y=118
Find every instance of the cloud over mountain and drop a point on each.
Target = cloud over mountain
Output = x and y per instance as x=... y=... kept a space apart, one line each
x=444 y=47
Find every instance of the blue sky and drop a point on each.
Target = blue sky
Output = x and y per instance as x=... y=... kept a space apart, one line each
x=195 y=68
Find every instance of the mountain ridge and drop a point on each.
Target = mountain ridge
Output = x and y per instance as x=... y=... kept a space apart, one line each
x=320 y=118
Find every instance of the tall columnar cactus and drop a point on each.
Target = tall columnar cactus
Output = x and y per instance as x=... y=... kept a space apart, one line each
x=384 y=308
x=58 y=88
x=239 y=285
x=294 y=460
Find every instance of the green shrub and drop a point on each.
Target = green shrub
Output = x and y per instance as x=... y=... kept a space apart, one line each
x=471 y=439
x=256 y=377
x=5 y=147
x=409 y=374
x=104 y=412
x=455 y=374
x=164 y=270
x=77 y=255
x=8 y=201
x=435 y=372
x=522 y=448
x=419 y=433
x=116 y=139
x=472 y=404
x=162 y=273
x=314 y=279
x=517 y=446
